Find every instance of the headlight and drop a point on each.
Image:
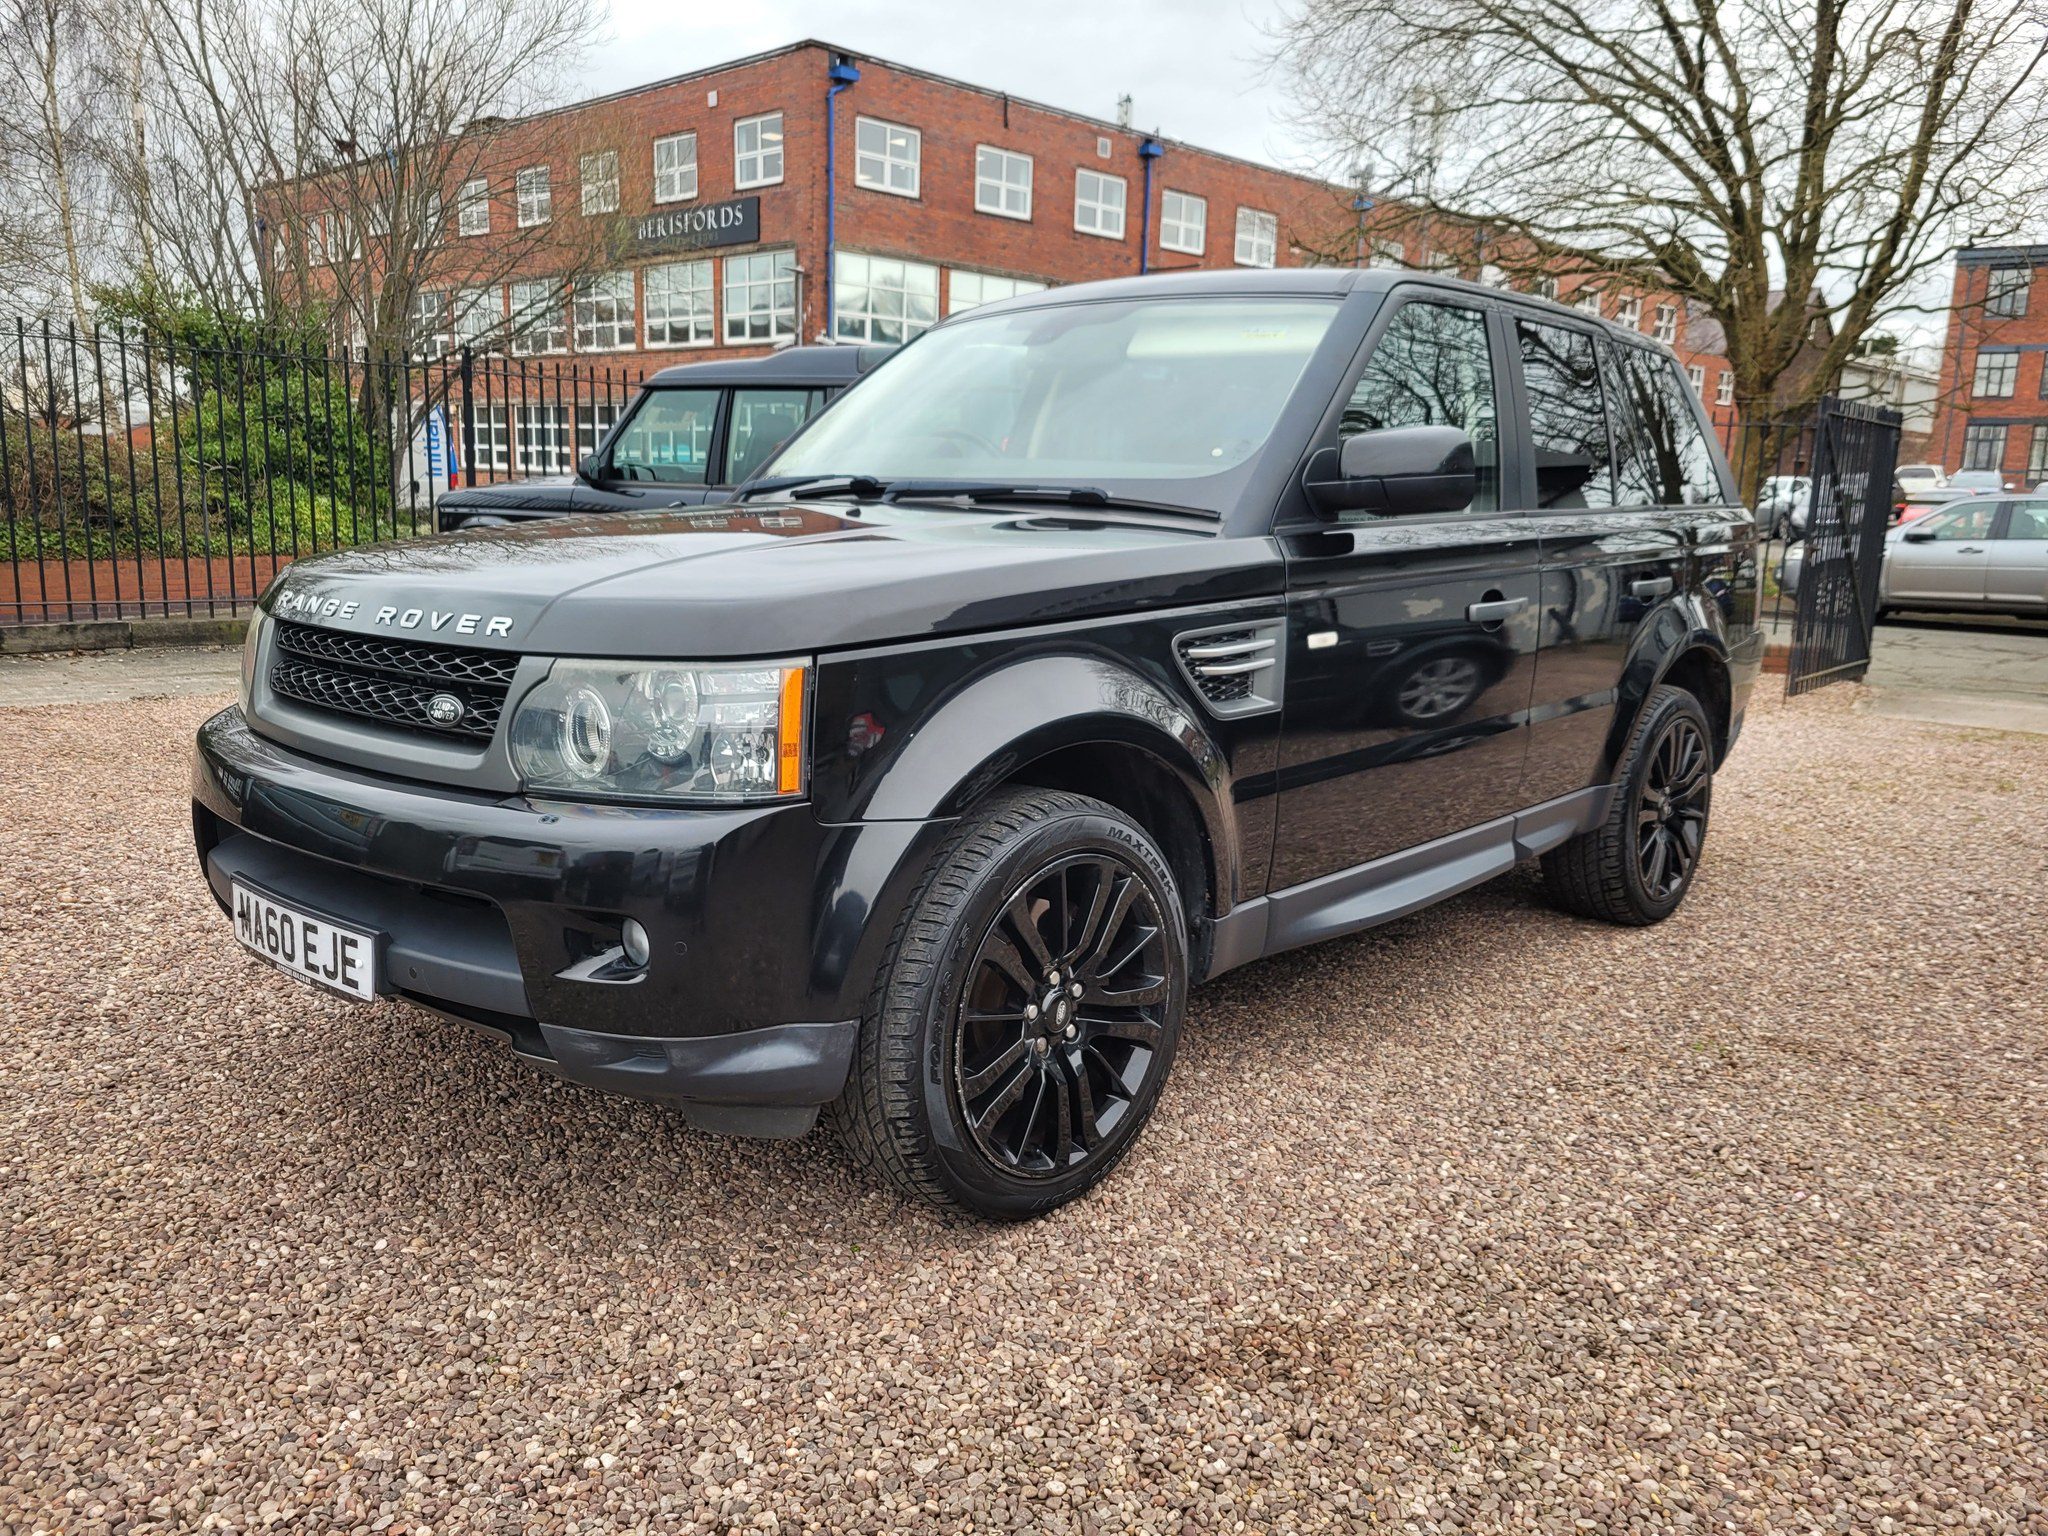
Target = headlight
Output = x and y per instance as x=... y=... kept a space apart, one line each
x=252 y=644
x=669 y=731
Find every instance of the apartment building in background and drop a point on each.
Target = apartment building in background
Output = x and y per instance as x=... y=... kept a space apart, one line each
x=1993 y=408
x=809 y=194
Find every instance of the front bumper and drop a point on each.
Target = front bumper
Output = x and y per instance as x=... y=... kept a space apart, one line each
x=766 y=924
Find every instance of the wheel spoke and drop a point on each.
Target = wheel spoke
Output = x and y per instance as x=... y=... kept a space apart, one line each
x=978 y=1082
x=1660 y=853
x=1003 y=955
x=1128 y=1027
x=1127 y=892
x=997 y=1107
x=1084 y=1098
x=1135 y=997
x=1098 y=904
x=1063 y=1119
x=1026 y=927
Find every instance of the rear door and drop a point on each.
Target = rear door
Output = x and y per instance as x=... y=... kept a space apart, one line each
x=1633 y=503
x=2016 y=570
x=1951 y=564
x=1410 y=640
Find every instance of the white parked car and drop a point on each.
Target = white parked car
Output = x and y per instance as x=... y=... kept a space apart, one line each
x=1781 y=504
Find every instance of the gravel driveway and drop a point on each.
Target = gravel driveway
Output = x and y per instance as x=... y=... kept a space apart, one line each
x=1485 y=1220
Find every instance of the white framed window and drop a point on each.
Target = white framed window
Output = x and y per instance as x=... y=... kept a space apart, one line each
x=1258 y=237
x=1997 y=373
x=886 y=156
x=2005 y=291
x=1724 y=387
x=433 y=220
x=1697 y=374
x=1587 y=300
x=493 y=437
x=1183 y=222
x=536 y=196
x=1629 y=312
x=675 y=168
x=281 y=248
x=1388 y=253
x=540 y=439
x=1102 y=148
x=1099 y=204
x=760 y=297
x=539 y=318
x=593 y=420
x=757 y=151
x=965 y=289
x=431 y=327
x=473 y=208
x=1545 y=288
x=1664 y=324
x=1002 y=182
x=598 y=176
x=479 y=312
x=676 y=300
x=602 y=312
x=878 y=298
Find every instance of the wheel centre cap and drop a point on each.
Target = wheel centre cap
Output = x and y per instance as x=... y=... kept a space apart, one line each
x=1056 y=1012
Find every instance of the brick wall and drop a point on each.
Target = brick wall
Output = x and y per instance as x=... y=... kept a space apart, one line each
x=2012 y=425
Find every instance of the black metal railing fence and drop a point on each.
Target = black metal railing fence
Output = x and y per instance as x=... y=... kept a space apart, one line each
x=146 y=476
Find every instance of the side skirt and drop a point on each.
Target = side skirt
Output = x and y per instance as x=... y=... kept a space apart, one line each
x=1400 y=883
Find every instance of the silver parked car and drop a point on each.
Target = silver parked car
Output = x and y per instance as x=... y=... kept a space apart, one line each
x=1983 y=555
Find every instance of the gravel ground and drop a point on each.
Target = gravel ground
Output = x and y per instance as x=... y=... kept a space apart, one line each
x=1485 y=1220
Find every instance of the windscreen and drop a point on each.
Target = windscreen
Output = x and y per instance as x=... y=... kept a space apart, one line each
x=1149 y=390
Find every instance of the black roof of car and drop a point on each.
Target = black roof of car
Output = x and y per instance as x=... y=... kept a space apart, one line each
x=818 y=366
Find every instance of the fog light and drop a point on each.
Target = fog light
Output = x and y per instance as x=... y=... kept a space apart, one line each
x=633 y=938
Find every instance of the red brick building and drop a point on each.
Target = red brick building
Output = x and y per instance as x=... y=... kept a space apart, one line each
x=1993 y=408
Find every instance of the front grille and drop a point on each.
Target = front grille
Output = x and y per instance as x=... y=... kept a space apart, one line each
x=391 y=681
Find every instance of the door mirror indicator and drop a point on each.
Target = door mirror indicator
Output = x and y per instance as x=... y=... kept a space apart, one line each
x=1396 y=470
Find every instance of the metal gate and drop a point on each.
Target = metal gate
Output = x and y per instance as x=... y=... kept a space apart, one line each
x=1855 y=451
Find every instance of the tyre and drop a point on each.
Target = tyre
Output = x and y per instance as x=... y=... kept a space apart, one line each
x=1636 y=866
x=1027 y=1012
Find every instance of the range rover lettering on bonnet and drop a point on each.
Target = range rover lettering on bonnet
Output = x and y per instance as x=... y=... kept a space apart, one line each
x=308 y=605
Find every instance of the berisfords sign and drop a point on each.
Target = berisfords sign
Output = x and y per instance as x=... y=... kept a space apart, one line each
x=736 y=221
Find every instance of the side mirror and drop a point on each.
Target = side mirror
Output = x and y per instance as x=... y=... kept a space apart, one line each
x=1396 y=470
x=1918 y=535
x=590 y=471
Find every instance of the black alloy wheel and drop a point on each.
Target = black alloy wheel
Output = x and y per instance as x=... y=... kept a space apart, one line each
x=1671 y=812
x=1025 y=1018
x=1636 y=866
x=1060 y=1023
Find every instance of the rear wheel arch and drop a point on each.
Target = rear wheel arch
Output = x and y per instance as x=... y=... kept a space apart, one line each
x=1702 y=671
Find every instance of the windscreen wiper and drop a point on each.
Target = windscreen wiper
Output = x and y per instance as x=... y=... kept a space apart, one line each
x=977 y=491
x=801 y=487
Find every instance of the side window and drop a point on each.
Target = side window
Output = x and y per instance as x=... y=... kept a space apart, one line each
x=1432 y=367
x=1567 y=422
x=762 y=420
x=668 y=437
x=2029 y=520
x=1677 y=464
x=1965 y=523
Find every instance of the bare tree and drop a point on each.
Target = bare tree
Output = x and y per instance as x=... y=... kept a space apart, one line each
x=1780 y=162
x=316 y=150
x=48 y=102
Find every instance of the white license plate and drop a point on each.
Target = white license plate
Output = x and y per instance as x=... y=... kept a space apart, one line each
x=308 y=947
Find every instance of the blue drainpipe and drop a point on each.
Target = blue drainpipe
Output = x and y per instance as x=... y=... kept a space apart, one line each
x=842 y=74
x=1148 y=152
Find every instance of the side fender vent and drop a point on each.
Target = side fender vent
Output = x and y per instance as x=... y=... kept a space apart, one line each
x=1237 y=670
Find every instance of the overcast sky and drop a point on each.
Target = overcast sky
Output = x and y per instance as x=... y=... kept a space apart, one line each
x=1192 y=67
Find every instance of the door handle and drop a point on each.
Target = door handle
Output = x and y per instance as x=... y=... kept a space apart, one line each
x=1493 y=610
x=1971 y=549
x=1652 y=586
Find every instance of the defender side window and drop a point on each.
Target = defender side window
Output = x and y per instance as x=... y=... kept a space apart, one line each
x=762 y=420
x=1675 y=468
x=1567 y=422
x=667 y=438
x=1433 y=367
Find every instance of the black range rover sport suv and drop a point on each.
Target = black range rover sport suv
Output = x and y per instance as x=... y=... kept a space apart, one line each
x=1096 y=643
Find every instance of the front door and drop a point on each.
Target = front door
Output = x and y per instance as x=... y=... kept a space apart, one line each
x=2016 y=572
x=1409 y=639
x=1950 y=564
